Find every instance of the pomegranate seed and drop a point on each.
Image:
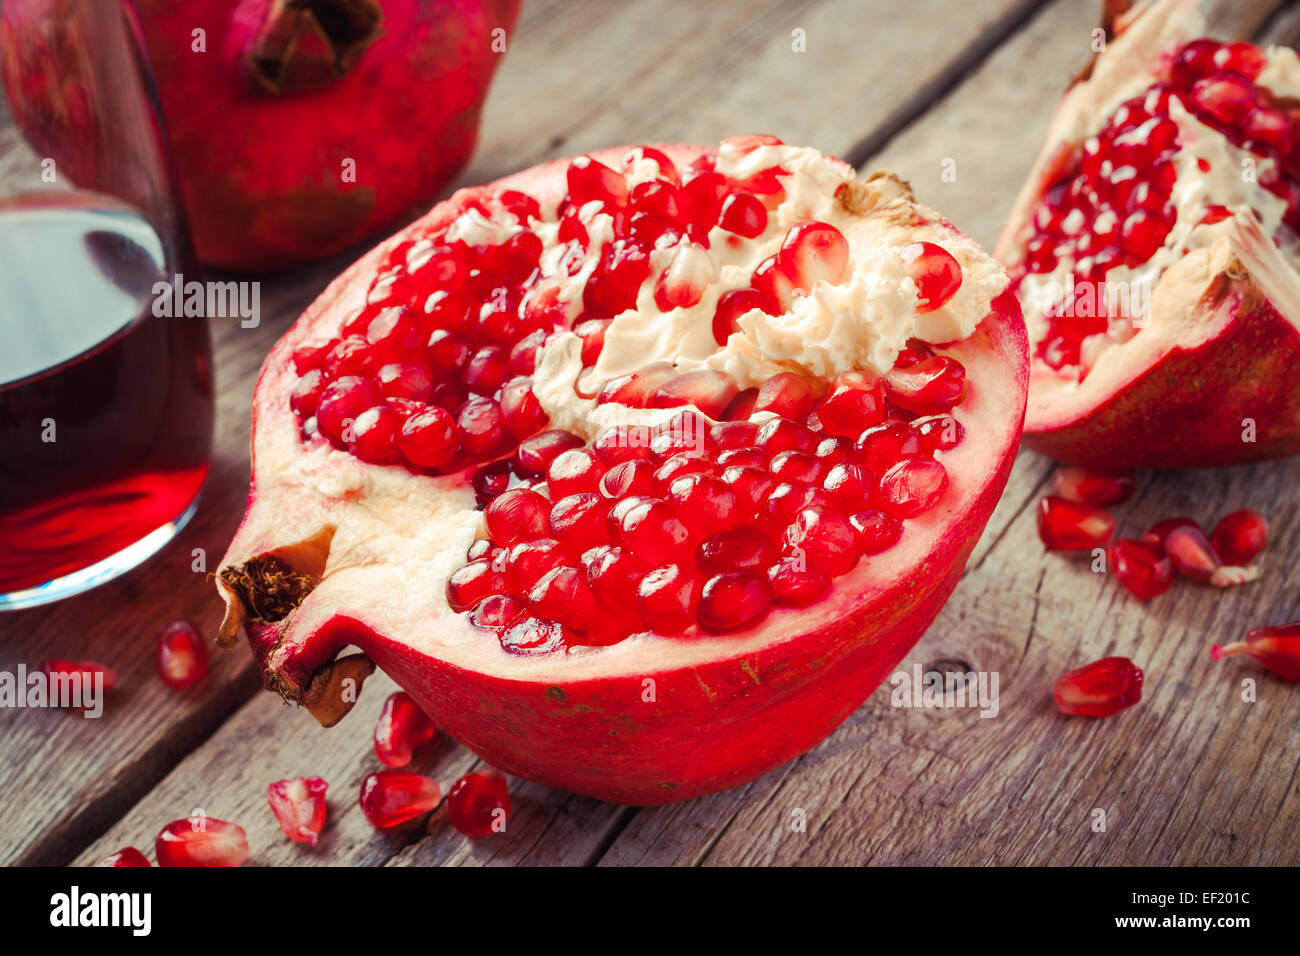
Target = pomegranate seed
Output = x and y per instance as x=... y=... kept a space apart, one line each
x=613 y=575
x=1277 y=648
x=912 y=487
x=732 y=305
x=402 y=728
x=849 y=487
x=681 y=284
x=497 y=612
x=825 y=538
x=781 y=434
x=1092 y=487
x=784 y=504
x=1240 y=537
x=592 y=181
x=732 y=601
x=299 y=806
x=128 y=856
x=1099 y=689
x=352 y=356
x=578 y=521
x=374 y=435
x=787 y=395
x=667 y=598
x=531 y=637
x=341 y=402
x=700 y=202
x=634 y=389
x=405 y=380
x=1160 y=531
x=852 y=403
x=307 y=392
x=592 y=333
x=488 y=369
x=613 y=286
x=390 y=798
x=182 y=656
x=664 y=168
x=1069 y=526
x=795 y=583
x=743 y=214
x=735 y=549
x=628 y=478
x=876 y=530
x=930 y=386
x=705 y=504
x=796 y=467
x=471 y=583
x=479 y=804
x=679 y=466
x=1191 y=554
x=201 y=841
x=651 y=531
x=562 y=595
x=774 y=287
x=482 y=429
x=520 y=205
x=529 y=561
x=310 y=356
x=536 y=453
x=709 y=391
x=573 y=472
x=883 y=446
x=1140 y=568
x=490 y=481
x=813 y=252
x=934 y=270
x=516 y=515
x=86 y=672
x=752 y=486
x=520 y=410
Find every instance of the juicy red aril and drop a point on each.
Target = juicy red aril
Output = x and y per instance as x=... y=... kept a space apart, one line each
x=876 y=530
x=849 y=487
x=490 y=481
x=785 y=502
x=390 y=798
x=666 y=599
x=341 y=402
x=731 y=601
x=573 y=472
x=934 y=270
x=665 y=169
x=201 y=841
x=912 y=487
x=612 y=288
x=299 y=807
x=307 y=392
x=853 y=402
x=86 y=672
x=707 y=390
x=635 y=388
x=1277 y=648
x=562 y=595
x=932 y=385
x=516 y=515
x=471 y=583
x=743 y=214
x=535 y=453
x=627 y=478
x=579 y=521
x=798 y=467
x=1069 y=526
x=405 y=380
x=479 y=804
x=482 y=429
x=825 y=538
x=1191 y=554
x=1099 y=689
x=528 y=561
x=780 y=434
x=593 y=181
x=182 y=657
x=374 y=435
x=882 y=446
x=1092 y=487
x=732 y=305
x=938 y=433
x=402 y=728
x=752 y=486
x=651 y=531
x=795 y=583
x=1239 y=537
x=613 y=575
x=1161 y=529
x=813 y=252
x=532 y=637
x=699 y=202
x=128 y=856
x=1144 y=571
x=521 y=412
x=592 y=333
x=704 y=504
x=497 y=611
x=786 y=395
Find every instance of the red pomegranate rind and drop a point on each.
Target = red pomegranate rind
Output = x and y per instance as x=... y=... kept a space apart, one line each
x=306 y=577
x=1211 y=379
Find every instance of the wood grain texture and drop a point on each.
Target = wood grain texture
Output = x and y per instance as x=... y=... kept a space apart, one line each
x=1190 y=776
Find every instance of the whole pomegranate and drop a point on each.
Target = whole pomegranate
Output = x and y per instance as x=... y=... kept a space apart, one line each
x=638 y=471
x=298 y=127
x=1154 y=250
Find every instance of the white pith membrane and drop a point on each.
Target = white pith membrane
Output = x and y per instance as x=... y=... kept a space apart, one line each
x=383 y=541
x=1252 y=246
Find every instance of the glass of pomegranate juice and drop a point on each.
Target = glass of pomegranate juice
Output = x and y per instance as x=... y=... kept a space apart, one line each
x=105 y=403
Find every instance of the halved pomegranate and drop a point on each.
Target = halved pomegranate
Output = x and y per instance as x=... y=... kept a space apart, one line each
x=1154 y=251
x=596 y=546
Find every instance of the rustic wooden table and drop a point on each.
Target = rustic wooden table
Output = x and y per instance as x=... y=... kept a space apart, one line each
x=1191 y=776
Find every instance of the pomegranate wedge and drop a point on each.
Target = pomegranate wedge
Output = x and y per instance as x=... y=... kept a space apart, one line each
x=1153 y=249
x=656 y=559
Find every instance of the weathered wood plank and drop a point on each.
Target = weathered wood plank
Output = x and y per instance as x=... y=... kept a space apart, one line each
x=944 y=786
x=579 y=75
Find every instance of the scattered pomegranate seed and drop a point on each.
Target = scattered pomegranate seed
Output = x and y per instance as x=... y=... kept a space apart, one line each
x=182 y=657
x=1277 y=648
x=934 y=270
x=85 y=671
x=201 y=841
x=299 y=806
x=129 y=856
x=402 y=729
x=479 y=803
x=1092 y=487
x=1099 y=689
x=390 y=798
x=1068 y=526
x=1143 y=570
x=1190 y=552
x=1240 y=537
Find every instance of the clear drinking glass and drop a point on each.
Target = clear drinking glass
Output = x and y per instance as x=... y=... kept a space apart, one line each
x=105 y=407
